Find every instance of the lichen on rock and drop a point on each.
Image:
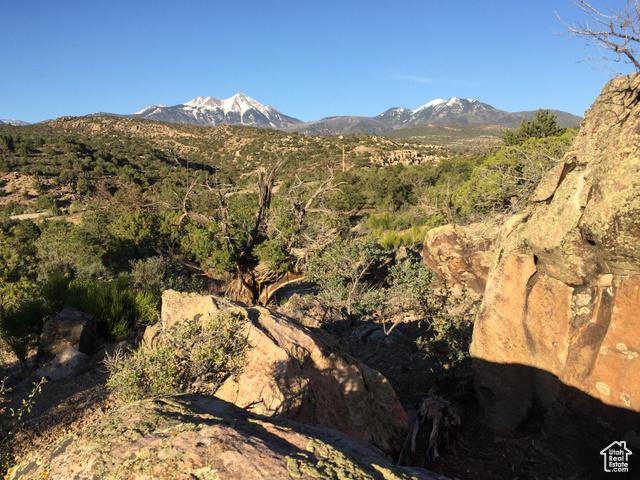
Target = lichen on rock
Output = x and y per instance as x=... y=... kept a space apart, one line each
x=197 y=436
x=563 y=292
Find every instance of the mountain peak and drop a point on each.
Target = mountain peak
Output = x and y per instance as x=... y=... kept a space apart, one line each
x=241 y=103
x=236 y=110
x=203 y=102
x=432 y=103
x=238 y=103
x=243 y=110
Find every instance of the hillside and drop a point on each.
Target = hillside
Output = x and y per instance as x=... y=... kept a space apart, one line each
x=455 y=137
x=80 y=153
x=452 y=112
x=143 y=207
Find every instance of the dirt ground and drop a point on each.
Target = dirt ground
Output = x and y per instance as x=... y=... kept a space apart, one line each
x=474 y=450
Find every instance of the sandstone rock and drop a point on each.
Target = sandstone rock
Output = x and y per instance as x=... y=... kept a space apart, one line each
x=178 y=307
x=70 y=327
x=461 y=255
x=200 y=437
x=557 y=332
x=66 y=363
x=301 y=375
x=307 y=314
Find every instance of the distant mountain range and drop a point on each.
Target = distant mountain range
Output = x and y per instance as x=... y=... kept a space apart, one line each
x=6 y=121
x=455 y=111
x=243 y=110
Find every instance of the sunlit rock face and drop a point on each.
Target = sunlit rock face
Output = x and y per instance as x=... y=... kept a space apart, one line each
x=460 y=256
x=293 y=372
x=558 y=331
x=201 y=437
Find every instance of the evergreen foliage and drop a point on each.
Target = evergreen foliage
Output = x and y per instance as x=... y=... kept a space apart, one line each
x=542 y=126
x=169 y=206
x=199 y=357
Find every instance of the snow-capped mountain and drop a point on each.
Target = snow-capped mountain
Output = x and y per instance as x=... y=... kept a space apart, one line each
x=7 y=121
x=208 y=111
x=455 y=111
x=243 y=110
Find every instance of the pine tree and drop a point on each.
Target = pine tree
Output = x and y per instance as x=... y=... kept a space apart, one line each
x=542 y=126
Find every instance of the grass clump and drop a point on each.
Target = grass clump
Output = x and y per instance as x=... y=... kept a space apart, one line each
x=118 y=307
x=195 y=357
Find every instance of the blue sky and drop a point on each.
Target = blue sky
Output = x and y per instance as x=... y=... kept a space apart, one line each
x=308 y=59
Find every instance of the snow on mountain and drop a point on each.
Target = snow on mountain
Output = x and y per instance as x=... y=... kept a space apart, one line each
x=208 y=111
x=243 y=110
x=149 y=109
x=431 y=104
x=455 y=111
x=9 y=121
x=239 y=103
x=446 y=112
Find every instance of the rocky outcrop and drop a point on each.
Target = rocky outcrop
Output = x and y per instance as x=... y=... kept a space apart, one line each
x=557 y=332
x=405 y=157
x=460 y=256
x=70 y=328
x=293 y=372
x=200 y=437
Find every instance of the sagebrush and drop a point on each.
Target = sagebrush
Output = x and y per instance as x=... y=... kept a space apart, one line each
x=197 y=358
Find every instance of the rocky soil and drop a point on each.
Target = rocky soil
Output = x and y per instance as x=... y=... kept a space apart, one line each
x=474 y=450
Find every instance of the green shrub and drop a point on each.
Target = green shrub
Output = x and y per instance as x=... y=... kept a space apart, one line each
x=390 y=240
x=159 y=273
x=506 y=178
x=400 y=229
x=450 y=334
x=273 y=255
x=342 y=272
x=12 y=423
x=13 y=208
x=116 y=305
x=542 y=126
x=21 y=325
x=72 y=248
x=410 y=285
x=198 y=359
x=144 y=373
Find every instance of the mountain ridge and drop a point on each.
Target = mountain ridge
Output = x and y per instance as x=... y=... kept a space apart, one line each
x=242 y=110
x=11 y=121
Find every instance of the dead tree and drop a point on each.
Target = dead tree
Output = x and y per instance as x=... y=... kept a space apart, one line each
x=265 y=188
x=616 y=33
x=300 y=207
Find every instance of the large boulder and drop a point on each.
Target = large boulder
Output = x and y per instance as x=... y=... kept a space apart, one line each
x=460 y=256
x=294 y=372
x=201 y=437
x=70 y=328
x=557 y=332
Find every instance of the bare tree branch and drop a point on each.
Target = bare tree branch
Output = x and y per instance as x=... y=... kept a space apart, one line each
x=613 y=32
x=265 y=188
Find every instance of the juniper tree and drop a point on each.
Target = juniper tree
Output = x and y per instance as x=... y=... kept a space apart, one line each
x=542 y=126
